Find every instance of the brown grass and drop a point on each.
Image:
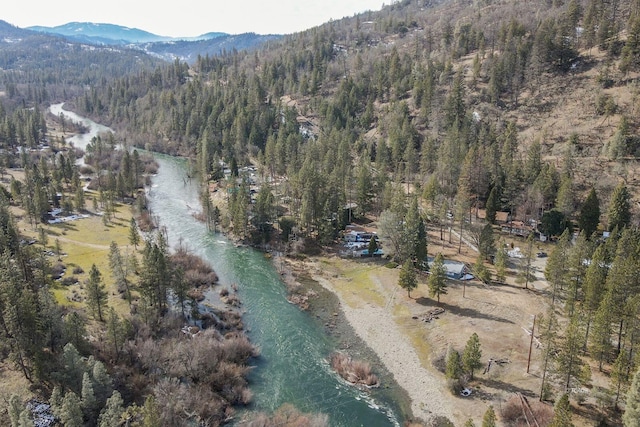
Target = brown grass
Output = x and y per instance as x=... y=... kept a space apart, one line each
x=513 y=416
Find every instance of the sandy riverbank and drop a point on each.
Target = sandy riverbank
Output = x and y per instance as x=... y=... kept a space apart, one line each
x=377 y=328
x=375 y=323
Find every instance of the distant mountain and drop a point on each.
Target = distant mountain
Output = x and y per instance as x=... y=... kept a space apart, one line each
x=168 y=48
x=52 y=59
x=87 y=32
x=189 y=51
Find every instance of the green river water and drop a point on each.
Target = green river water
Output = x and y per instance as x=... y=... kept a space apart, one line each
x=292 y=367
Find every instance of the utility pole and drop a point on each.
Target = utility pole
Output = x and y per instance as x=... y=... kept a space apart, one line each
x=533 y=327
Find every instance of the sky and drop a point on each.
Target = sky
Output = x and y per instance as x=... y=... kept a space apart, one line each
x=187 y=18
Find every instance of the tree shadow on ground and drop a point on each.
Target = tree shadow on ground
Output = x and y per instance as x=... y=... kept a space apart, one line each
x=511 y=388
x=461 y=311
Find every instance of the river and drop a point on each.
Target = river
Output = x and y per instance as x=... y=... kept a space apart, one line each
x=292 y=367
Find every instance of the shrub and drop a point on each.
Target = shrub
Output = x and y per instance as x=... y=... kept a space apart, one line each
x=391 y=264
x=78 y=270
x=356 y=372
x=58 y=270
x=69 y=280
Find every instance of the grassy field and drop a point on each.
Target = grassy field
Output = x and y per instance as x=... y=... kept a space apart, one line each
x=85 y=242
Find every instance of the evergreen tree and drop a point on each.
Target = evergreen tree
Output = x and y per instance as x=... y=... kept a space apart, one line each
x=15 y=408
x=589 y=217
x=555 y=270
x=151 y=413
x=88 y=402
x=96 y=293
x=620 y=373
x=501 y=264
x=562 y=413
x=134 y=235
x=453 y=369
x=56 y=401
x=472 y=354
x=631 y=416
x=576 y=269
x=548 y=336
x=407 y=279
x=112 y=412
x=600 y=343
x=119 y=270
x=481 y=271
x=489 y=419
x=421 y=245
x=74 y=330
x=486 y=242
x=594 y=285
x=619 y=212
x=116 y=332
x=437 y=278
x=71 y=411
x=492 y=205
x=568 y=362
x=526 y=273
x=372 y=247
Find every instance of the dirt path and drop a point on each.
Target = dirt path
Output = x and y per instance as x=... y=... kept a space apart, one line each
x=85 y=244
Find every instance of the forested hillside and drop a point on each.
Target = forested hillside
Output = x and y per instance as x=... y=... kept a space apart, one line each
x=416 y=116
x=533 y=99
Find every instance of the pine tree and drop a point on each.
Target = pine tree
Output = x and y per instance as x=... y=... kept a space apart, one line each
x=96 y=293
x=372 y=247
x=619 y=212
x=548 y=336
x=89 y=403
x=453 y=369
x=562 y=413
x=492 y=205
x=472 y=354
x=594 y=285
x=555 y=271
x=15 y=408
x=501 y=264
x=71 y=412
x=576 y=270
x=620 y=373
x=568 y=362
x=469 y=423
x=116 y=332
x=134 y=235
x=151 y=413
x=526 y=274
x=437 y=278
x=481 y=271
x=421 y=244
x=112 y=412
x=600 y=343
x=489 y=418
x=631 y=416
x=589 y=217
x=486 y=242
x=407 y=279
x=55 y=401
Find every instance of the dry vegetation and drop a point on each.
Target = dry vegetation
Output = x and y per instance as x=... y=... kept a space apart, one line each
x=356 y=372
x=501 y=315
